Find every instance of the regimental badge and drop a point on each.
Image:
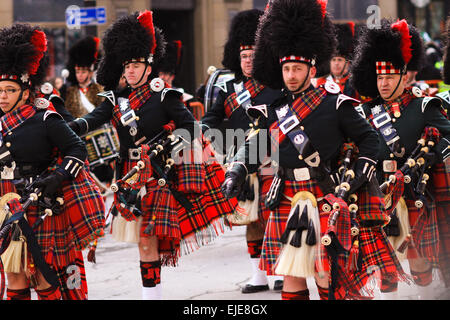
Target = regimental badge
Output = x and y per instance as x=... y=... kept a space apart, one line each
x=376 y=110
x=282 y=112
x=157 y=84
x=417 y=92
x=332 y=87
x=387 y=131
x=299 y=139
x=123 y=105
x=41 y=103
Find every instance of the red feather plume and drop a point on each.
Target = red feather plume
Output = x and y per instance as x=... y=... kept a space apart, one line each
x=97 y=46
x=179 y=46
x=323 y=4
x=405 y=43
x=146 y=20
x=352 y=27
x=39 y=41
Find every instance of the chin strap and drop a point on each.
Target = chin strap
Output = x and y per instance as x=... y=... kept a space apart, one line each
x=18 y=99
x=304 y=81
x=398 y=84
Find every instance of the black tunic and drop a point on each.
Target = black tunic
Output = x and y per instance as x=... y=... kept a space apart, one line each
x=327 y=127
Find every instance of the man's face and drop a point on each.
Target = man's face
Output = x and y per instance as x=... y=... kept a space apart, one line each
x=9 y=93
x=338 y=66
x=295 y=73
x=387 y=83
x=134 y=73
x=83 y=75
x=246 y=57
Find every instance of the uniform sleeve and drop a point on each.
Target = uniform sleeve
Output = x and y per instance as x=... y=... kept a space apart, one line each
x=435 y=118
x=100 y=115
x=215 y=116
x=61 y=108
x=177 y=111
x=72 y=148
x=358 y=130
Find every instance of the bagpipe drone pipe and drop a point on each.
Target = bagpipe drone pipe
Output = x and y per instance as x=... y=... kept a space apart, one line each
x=410 y=181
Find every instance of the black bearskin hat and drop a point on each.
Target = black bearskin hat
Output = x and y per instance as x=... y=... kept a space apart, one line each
x=241 y=36
x=23 y=56
x=171 y=60
x=84 y=53
x=131 y=38
x=345 y=34
x=446 y=70
x=398 y=44
x=291 y=29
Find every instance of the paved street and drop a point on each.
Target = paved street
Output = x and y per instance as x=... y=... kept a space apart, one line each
x=214 y=272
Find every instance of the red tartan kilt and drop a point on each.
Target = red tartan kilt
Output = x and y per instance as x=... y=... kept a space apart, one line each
x=174 y=224
x=277 y=222
x=426 y=233
x=82 y=220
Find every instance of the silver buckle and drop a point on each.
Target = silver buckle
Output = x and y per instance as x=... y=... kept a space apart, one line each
x=134 y=154
x=381 y=120
x=390 y=166
x=244 y=96
x=289 y=124
x=302 y=174
x=128 y=118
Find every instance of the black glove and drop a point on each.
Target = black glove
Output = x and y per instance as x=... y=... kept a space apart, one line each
x=52 y=183
x=234 y=180
x=365 y=168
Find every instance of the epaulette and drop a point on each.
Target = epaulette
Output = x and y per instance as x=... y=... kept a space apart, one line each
x=50 y=112
x=361 y=111
x=342 y=97
x=444 y=96
x=170 y=91
x=430 y=100
x=108 y=95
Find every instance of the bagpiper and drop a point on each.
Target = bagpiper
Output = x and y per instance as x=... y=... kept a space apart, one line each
x=341 y=59
x=419 y=190
x=167 y=207
x=235 y=97
x=308 y=127
x=50 y=207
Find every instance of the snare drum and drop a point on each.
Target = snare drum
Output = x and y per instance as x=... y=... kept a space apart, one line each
x=102 y=145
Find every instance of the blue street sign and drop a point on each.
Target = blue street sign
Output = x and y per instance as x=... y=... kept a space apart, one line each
x=76 y=16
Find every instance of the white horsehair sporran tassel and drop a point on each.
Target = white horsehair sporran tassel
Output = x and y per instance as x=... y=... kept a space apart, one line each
x=297 y=258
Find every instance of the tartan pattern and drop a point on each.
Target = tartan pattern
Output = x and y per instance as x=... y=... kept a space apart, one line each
x=81 y=221
x=386 y=67
x=424 y=230
x=13 y=119
x=150 y=273
x=395 y=191
x=51 y=293
x=180 y=231
x=139 y=96
x=441 y=185
x=342 y=227
x=378 y=260
x=277 y=223
x=371 y=209
x=191 y=175
x=302 y=107
x=231 y=104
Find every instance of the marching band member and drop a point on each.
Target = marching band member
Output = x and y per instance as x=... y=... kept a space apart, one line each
x=400 y=116
x=177 y=216
x=46 y=242
x=235 y=97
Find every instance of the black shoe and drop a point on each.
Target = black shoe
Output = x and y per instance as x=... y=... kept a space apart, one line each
x=278 y=285
x=252 y=289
